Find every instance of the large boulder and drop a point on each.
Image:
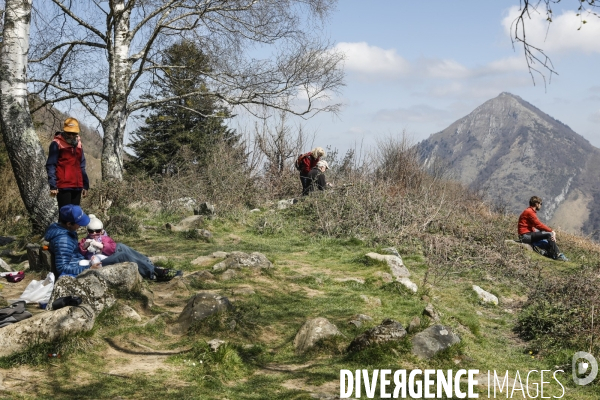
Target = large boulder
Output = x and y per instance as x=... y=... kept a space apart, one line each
x=432 y=340
x=239 y=260
x=388 y=331
x=200 y=307
x=97 y=287
x=312 y=331
x=46 y=327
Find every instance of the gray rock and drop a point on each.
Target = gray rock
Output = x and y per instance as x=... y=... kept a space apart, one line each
x=203 y=233
x=358 y=319
x=389 y=330
x=214 y=344
x=46 y=327
x=410 y=285
x=97 y=287
x=414 y=325
x=255 y=210
x=201 y=275
x=187 y=203
x=238 y=260
x=484 y=296
x=312 y=331
x=186 y=224
x=432 y=340
x=229 y=274
x=430 y=312
x=199 y=307
x=127 y=312
x=4 y=267
x=355 y=322
x=205 y=260
x=397 y=267
x=33 y=255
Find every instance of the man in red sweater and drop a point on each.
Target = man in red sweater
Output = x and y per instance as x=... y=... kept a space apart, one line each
x=532 y=231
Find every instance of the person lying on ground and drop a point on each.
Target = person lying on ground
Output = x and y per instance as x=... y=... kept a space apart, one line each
x=534 y=232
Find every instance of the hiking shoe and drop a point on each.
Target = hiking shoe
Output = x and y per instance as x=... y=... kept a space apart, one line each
x=562 y=257
x=165 y=274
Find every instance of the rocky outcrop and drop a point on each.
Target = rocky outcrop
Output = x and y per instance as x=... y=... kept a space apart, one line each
x=397 y=268
x=389 y=330
x=312 y=331
x=432 y=340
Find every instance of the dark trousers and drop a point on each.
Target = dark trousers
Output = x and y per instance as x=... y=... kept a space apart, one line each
x=543 y=240
x=125 y=253
x=306 y=182
x=65 y=197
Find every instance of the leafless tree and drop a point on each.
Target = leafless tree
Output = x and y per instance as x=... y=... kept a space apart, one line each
x=107 y=57
x=25 y=151
x=535 y=55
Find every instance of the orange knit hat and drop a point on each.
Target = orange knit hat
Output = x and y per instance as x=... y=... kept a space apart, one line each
x=71 y=125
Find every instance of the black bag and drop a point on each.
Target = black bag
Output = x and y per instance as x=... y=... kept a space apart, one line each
x=13 y=313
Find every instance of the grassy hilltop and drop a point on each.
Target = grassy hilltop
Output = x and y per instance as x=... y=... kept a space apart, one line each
x=449 y=239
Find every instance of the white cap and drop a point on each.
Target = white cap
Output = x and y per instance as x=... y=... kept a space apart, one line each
x=95 y=223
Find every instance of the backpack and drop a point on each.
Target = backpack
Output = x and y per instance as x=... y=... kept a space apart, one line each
x=298 y=162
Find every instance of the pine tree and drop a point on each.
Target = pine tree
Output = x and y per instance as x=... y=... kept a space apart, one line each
x=180 y=134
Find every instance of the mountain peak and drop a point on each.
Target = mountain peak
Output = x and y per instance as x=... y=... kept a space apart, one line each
x=515 y=151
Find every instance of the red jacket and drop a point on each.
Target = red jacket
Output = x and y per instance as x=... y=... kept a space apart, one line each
x=66 y=165
x=307 y=163
x=528 y=220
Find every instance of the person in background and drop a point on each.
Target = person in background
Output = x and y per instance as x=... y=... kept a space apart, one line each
x=533 y=232
x=65 y=166
x=317 y=178
x=306 y=162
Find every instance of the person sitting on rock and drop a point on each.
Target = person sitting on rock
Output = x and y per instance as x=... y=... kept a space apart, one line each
x=62 y=238
x=533 y=232
x=317 y=178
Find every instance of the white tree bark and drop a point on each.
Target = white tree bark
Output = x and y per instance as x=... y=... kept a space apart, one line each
x=24 y=148
x=107 y=56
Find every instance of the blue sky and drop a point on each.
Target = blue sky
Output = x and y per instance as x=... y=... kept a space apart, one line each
x=419 y=66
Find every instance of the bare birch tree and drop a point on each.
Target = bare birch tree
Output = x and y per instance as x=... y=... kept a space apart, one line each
x=22 y=143
x=107 y=56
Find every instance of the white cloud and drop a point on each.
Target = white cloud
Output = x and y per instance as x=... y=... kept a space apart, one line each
x=374 y=63
x=373 y=60
x=562 y=35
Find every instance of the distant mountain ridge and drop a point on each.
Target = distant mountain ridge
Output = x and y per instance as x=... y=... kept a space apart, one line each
x=513 y=150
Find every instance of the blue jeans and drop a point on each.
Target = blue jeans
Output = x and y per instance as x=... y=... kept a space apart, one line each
x=125 y=253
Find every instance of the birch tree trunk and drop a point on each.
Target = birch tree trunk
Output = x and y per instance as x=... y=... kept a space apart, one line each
x=115 y=122
x=23 y=145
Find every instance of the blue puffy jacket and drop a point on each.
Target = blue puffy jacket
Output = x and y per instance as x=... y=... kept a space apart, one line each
x=64 y=246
